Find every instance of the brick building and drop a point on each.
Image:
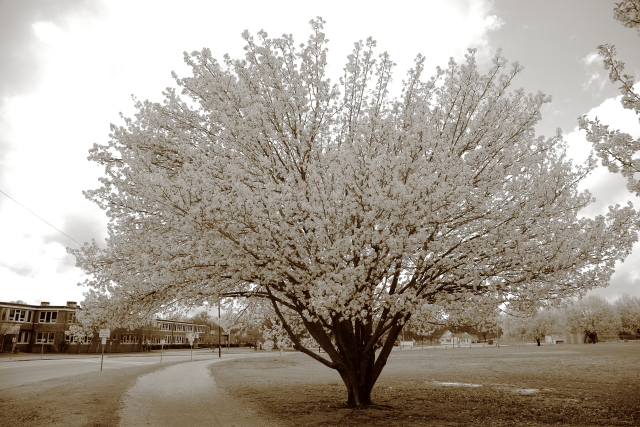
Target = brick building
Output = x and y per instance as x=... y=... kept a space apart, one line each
x=45 y=328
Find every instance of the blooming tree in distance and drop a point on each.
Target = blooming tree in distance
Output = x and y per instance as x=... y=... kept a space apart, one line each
x=536 y=325
x=628 y=308
x=592 y=315
x=345 y=209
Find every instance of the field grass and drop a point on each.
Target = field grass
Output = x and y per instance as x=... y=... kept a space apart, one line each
x=80 y=400
x=581 y=385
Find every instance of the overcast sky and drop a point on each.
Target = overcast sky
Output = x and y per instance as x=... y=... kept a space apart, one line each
x=68 y=68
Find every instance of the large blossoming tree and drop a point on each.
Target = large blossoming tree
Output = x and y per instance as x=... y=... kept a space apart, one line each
x=344 y=209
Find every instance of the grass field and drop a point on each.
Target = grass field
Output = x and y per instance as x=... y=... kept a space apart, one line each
x=79 y=400
x=580 y=385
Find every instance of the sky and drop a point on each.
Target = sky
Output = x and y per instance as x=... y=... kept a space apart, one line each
x=68 y=69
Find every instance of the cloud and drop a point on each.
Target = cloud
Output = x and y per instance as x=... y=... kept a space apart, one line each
x=626 y=279
x=596 y=77
x=477 y=24
x=20 y=268
x=21 y=54
x=610 y=189
x=611 y=113
x=79 y=226
x=592 y=58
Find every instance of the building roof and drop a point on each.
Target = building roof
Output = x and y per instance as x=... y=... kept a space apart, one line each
x=464 y=336
x=71 y=305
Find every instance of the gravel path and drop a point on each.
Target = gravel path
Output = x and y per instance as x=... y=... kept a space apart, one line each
x=185 y=394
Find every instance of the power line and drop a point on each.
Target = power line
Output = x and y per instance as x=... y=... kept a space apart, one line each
x=41 y=219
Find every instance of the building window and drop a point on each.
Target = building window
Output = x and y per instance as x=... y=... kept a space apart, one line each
x=71 y=317
x=180 y=328
x=24 y=337
x=168 y=339
x=179 y=339
x=48 y=317
x=75 y=339
x=200 y=328
x=16 y=315
x=165 y=327
x=45 y=337
x=190 y=328
x=128 y=339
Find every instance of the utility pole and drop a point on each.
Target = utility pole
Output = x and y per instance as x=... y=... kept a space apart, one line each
x=219 y=333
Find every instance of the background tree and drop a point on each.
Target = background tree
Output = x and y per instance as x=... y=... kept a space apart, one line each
x=6 y=328
x=591 y=316
x=204 y=318
x=628 y=308
x=618 y=150
x=533 y=325
x=95 y=315
x=344 y=209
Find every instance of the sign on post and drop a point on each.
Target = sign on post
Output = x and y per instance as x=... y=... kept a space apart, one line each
x=104 y=334
x=191 y=337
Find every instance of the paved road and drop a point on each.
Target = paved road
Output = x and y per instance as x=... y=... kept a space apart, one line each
x=185 y=395
x=18 y=373
x=32 y=369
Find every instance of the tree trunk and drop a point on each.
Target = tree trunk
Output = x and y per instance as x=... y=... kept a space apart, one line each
x=352 y=347
x=358 y=377
x=538 y=341
x=358 y=389
x=359 y=367
x=591 y=337
x=356 y=356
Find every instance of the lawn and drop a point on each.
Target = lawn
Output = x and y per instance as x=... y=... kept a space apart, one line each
x=579 y=385
x=80 y=400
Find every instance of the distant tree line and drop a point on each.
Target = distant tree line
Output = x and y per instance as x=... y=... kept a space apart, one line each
x=590 y=316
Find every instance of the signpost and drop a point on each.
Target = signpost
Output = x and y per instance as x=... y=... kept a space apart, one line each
x=13 y=330
x=104 y=334
x=13 y=346
x=161 y=347
x=219 y=333
x=189 y=336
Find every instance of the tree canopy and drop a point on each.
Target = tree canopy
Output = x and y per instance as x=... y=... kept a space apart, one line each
x=345 y=209
x=619 y=151
x=628 y=308
x=591 y=316
x=536 y=325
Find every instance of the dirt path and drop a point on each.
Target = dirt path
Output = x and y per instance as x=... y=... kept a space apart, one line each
x=185 y=395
